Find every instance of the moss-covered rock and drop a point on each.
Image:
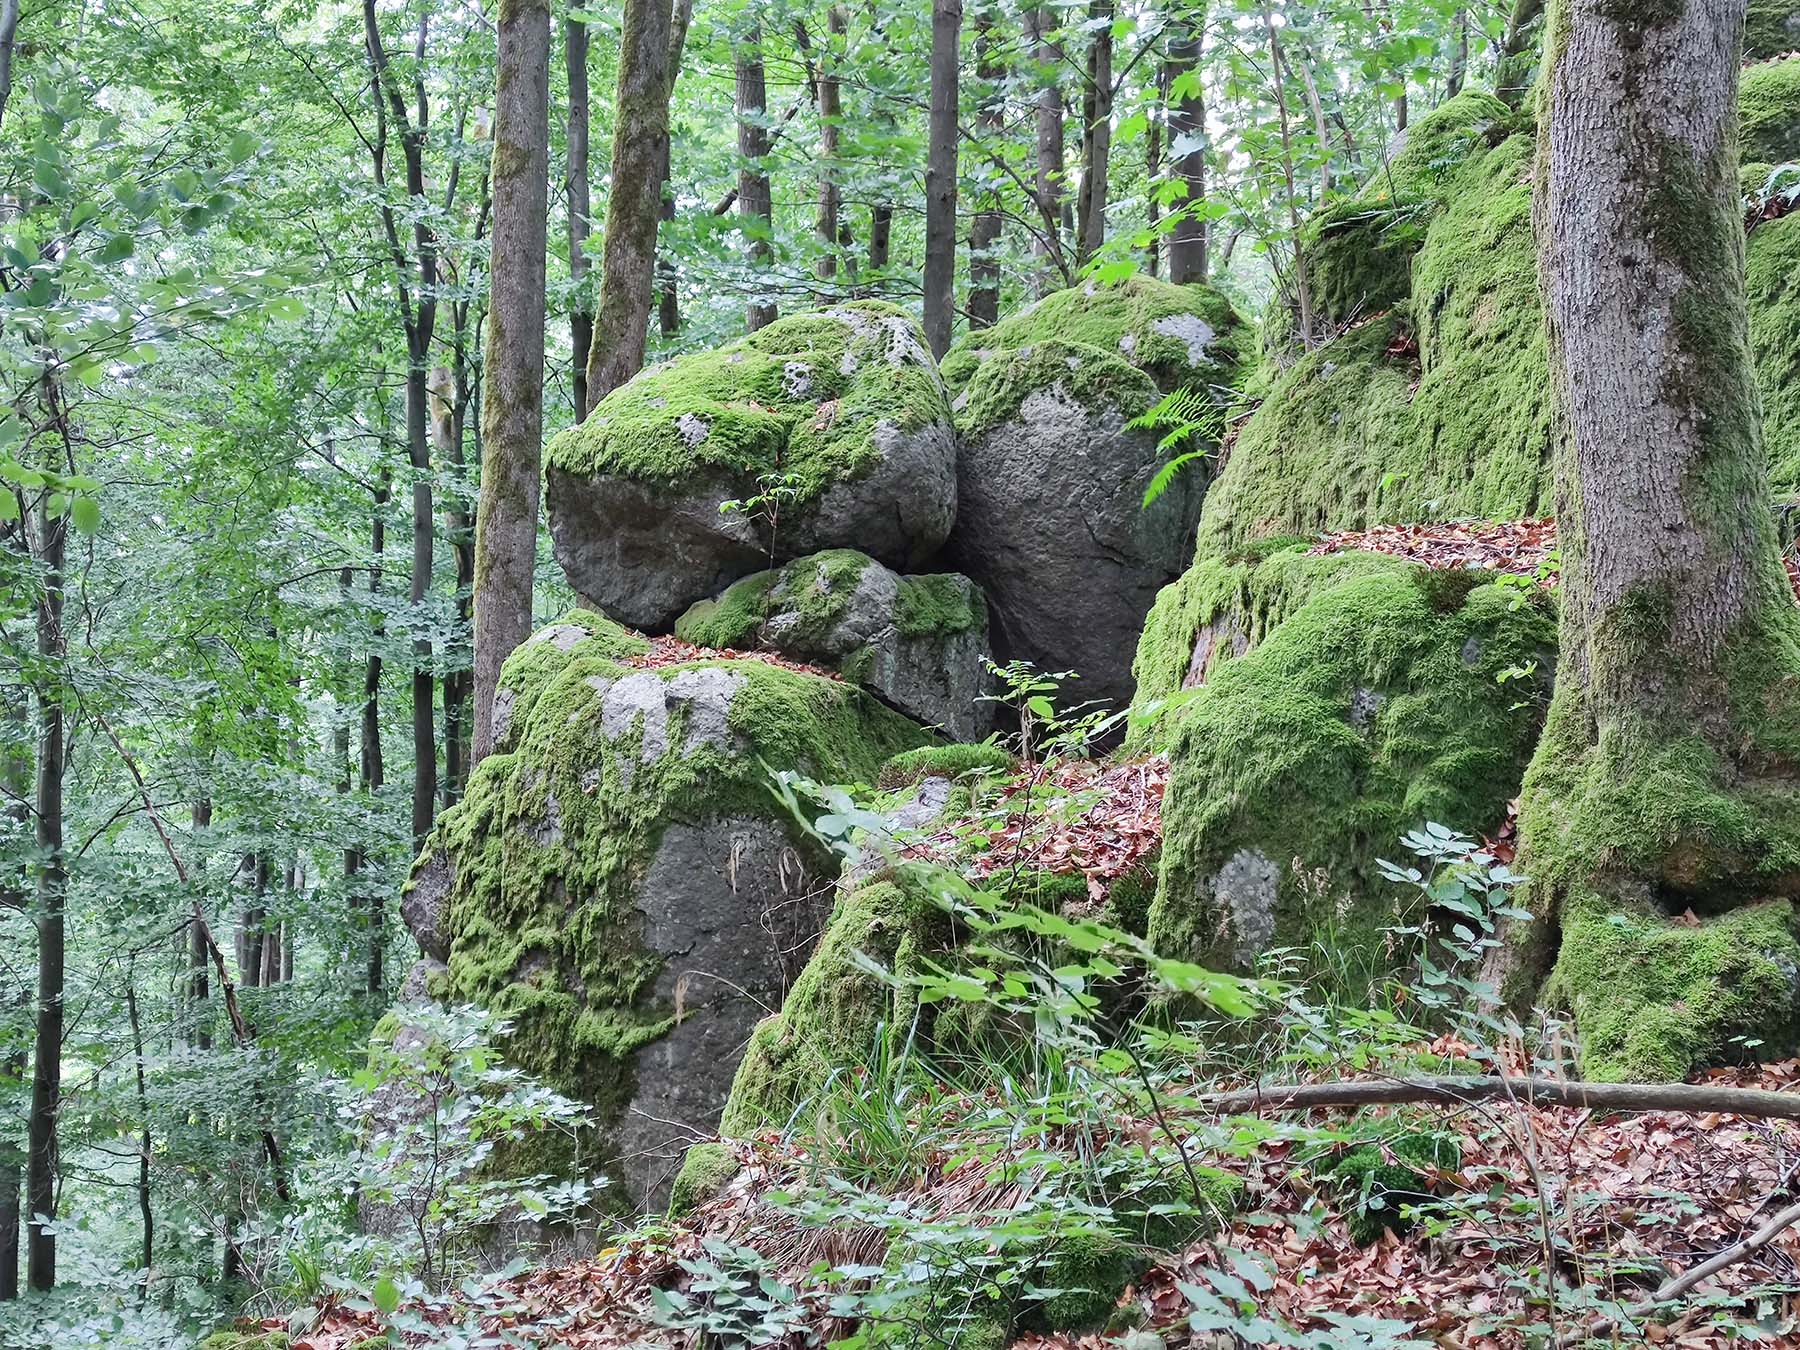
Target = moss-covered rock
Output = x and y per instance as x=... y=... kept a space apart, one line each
x=1382 y=1179
x=1656 y=997
x=917 y=642
x=1374 y=707
x=620 y=882
x=840 y=414
x=1772 y=286
x=1769 y=112
x=1771 y=28
x=1177 y=335
x=706 y=1170
x=943 y=761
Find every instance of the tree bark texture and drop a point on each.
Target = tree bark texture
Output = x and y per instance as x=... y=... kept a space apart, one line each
x=668 y=298
x=580 y=203
x=1663 y=782
x=512 y=410
x=940 y=176
x=830 y=112
x=1187 y=155
x=1096 y=134
x=984 y=230
x=640 y=131
x=755 y=203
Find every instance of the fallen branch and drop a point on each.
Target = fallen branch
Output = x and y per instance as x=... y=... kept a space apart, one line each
x=1460 y=1090
x=1749 y=1247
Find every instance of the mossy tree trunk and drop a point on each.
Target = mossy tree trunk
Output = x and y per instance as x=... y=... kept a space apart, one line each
x=1664 y=784
x=940 y=176
x=1187 y=151
x=634 y=200
x=512 y=410
x=755 y=202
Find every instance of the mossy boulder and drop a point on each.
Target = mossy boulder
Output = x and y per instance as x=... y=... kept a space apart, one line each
x=1656 y=996
x=706 y=1171
x=620 y=882
x=1374 y=707
x=1771 y=28
x=1772 y=283
x=917 y=642
x=1385 y=1181
x=1769 y=112
x=840 y=414
x=1177 y=335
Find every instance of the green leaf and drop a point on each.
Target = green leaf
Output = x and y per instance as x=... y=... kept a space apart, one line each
x=243 y=145
x=291 y=307
x=116 y=249
x=386 y=1294
x=85 y=512
x=9 y=506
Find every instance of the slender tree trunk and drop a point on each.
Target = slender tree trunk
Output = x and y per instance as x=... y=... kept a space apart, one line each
x=1302 y=282
x=1459 y=54
x=881 y=231
x=1047 y=185
x=146 y=1216
x=940 y=176
x=830 y=111
x=449 y=409
x=9 y=32
x=984 y=230
x=373 y=769
x=634 y=201
x=668 y=298
x=1515 y=72
x=581 y=209
x=1096 y=134
x=199 y=1007
x=512 y=411
x=52 y=888
x=1663 y=784
x=755 y=205
x=1189 y=240
x=1153 y=152
x=14 y=895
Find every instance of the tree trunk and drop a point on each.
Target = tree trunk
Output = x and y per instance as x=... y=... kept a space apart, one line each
x=1663 y=785
x=52 y=888
x=940 y=176
x=1301 y=281
x=1459 y=54
x=1153 y=152
x=755 y=206
x=830 y=111
x=1047 y=184
x=1096 y=134
x=1515 y=72
x=449 y=411
x=881 y=232
x=668 y=299
x=9 y=30
x=1187 y=155
x=16 y=768
x=984 y=230
x=146 y=1215
x=634 y=201
x=581 y=207
x=512 y=410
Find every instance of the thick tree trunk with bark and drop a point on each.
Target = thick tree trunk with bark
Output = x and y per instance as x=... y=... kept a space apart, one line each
x=1187 y=154
x=1663 y=786
x=640 y=133
x=512 y=410
x=755 y=203
x=1096 y=133
x=940 y=176
x=984 y=230
x=580 y=203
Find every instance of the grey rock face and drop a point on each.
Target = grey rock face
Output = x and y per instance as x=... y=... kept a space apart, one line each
x=422 y=905
x=1051 y=523
x=734 y=910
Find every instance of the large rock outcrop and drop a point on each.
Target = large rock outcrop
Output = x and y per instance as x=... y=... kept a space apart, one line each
x=838 y=418
x=917 y=643
x=620 y=882
x=1051 y=519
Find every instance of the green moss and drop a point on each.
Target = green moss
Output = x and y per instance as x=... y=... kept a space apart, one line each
x=1090 y=376
x=1091 y=1272
x=1769 y=111
x=1771 y=28
x=551 y=840
x=1219 y=609
x=1772 y=286
x=705 y=1171
x=803 y=396
x=246 y=1340
x=581 y=634
x=1384 y=1178
x=1655 y=999
x=1368 y=712
x=836 y=1009
x=944 y=761
x=1143 y=320
x=1360 y=432
x=734 y=619
x=939 y=605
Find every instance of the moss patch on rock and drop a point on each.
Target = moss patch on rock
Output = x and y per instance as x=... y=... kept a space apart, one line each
x=943 y=761
x=1375 y=707
x=705 y=1171
x=1769 y=112
x=1089 y=376
x=1176 y=335
x=1772 y=284
x=1656 y=998
x=1384 y=1178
